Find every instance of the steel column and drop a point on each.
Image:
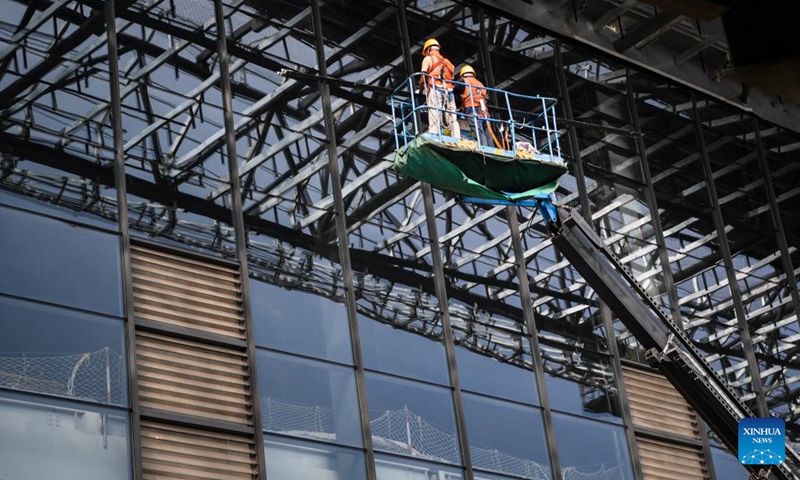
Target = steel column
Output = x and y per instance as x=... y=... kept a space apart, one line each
x=777 y=222
x=605 y=311
x=408 y=62
x=533 y=338
x=616 y=365
x=652 y=203
x=340 y=212
x=125 y=238
x=572 y=133
x=712 y=470
x=449 y=344
x=483 y=49
x=239 y=229
x=736 y=296
x=439 y=280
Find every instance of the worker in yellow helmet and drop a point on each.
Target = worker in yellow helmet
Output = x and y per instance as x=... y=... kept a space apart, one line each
x=436 y=81
x=473 y=101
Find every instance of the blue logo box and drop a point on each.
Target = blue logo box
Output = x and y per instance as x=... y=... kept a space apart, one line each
x=762 y=441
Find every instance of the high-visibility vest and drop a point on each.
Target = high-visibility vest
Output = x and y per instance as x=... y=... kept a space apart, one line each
x=473 y=95
x=441 y=69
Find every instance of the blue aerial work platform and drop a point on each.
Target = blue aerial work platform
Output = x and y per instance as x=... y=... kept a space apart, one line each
x=519 y=162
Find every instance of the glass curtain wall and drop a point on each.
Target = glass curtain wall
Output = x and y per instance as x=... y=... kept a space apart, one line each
x=64 y=402
x=358 y=374
x=63 y=364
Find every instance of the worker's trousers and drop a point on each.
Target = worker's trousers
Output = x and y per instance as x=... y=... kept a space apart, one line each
x=444 y=104
x=476 y=119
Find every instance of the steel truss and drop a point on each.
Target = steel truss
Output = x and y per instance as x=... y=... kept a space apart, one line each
x=661 y=221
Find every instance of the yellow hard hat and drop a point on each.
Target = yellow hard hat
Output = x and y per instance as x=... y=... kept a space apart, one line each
x=431 y=42
x=465 y=70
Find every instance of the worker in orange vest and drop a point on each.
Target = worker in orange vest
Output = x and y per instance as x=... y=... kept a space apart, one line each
x=473 y=101
x=436 y=82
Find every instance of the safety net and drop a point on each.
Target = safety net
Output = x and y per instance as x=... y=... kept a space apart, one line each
x=475 y=173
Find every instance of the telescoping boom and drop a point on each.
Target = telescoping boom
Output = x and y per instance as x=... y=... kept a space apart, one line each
x=667 y=346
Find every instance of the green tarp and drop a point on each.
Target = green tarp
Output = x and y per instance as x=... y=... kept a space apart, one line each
x=477 y=174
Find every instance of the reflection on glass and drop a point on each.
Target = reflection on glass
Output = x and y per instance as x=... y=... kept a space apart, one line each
x=402 y=353
x=581 y=383
x=308 y=399
x=52 y=439
x=289 y=459
x=62 y=352
x=494 y=476
x=300 y=322
x=412 y=419
x=482 y=374
x=35 y=265
x=728 y=466
x=589 y=449
x=395 y=468
x=34 y=205
x=506 y=438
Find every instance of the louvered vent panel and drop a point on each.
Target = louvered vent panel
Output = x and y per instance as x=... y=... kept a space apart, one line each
x=177 y=453
x=668 y=461
x=186 y=293
x=655 y=404
x=192 y=378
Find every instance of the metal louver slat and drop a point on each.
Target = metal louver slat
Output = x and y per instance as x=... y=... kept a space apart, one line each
x=186 y=293
x=655 y=404
x=663 y=460
x=193 y=378
x=171 y=452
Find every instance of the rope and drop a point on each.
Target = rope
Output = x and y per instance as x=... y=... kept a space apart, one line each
x=491 y=130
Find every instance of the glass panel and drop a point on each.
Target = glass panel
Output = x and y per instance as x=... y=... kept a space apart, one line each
x=581 y=382
x=322 y=406
x=493 y=476
x=395 y=468
x=412 y=419
x=394 y=351
x=728 y=466
x=297 y=460
x=35 y=265
x=300 y=322
x=62 y=352
x=483 y=374
x=506 y=438
x=53 y=439
x=590 y=449
x=63 y=207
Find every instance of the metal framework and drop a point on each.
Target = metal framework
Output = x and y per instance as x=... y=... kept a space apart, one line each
x=699 y=208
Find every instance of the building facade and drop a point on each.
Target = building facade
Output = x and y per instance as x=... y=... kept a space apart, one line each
x=168 y=312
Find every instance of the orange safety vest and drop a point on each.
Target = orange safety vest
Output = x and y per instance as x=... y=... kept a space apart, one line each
x=473 y=95
x=441 y=70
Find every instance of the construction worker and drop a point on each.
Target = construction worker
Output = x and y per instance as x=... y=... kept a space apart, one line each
x=436 y=82
x=473 y=101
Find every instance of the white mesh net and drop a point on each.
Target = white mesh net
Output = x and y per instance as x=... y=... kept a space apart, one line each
x=97 y=376
x=279 y=416
x=406 y=433
x=403 y=431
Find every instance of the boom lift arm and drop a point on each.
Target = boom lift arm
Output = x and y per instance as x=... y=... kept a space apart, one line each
x=667 y=345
